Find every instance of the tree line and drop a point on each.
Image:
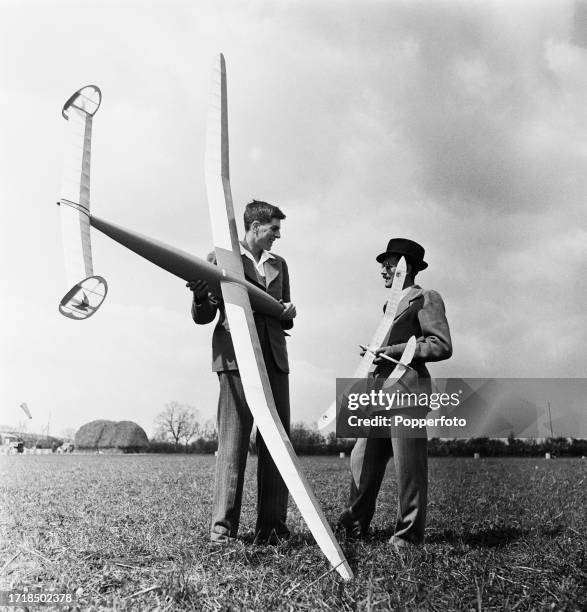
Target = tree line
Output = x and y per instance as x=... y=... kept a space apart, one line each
x=178 y=431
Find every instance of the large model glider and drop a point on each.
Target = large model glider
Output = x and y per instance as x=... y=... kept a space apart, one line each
x=382 y=331
x=240 y=296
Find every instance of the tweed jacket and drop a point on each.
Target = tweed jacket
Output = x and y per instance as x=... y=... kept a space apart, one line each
x=271 y=330
x=420 y=313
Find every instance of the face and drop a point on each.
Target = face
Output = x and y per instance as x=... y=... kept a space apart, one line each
x=388 y=266
x=266 y=233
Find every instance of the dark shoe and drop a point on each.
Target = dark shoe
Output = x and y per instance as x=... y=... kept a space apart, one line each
x=351 y=527
x=272 y=538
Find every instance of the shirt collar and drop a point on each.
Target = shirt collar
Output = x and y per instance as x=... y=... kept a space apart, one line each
x=265 y=255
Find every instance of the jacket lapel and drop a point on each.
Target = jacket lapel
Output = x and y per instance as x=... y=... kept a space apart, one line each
x=249 y=270
x=414 y=292
x=271 y=270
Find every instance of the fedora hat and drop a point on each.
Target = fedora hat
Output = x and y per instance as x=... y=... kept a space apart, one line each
x=411 y=250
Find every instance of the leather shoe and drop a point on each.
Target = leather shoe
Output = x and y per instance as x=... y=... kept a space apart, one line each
x=352 y=527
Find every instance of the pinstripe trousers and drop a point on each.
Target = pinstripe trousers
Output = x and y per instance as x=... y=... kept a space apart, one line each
x=235 y=422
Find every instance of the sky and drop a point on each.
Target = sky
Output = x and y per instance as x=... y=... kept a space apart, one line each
x=459 y=124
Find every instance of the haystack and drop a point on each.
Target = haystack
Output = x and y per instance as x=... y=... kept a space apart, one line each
x=124 y=436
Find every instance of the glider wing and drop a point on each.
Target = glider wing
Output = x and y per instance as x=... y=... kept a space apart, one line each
x=244 y=333
x=404 y=362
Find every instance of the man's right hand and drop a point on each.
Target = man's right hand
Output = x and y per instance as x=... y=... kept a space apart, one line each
x=289 y=311
x=199 y=289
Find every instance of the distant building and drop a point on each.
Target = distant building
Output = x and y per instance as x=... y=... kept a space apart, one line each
x=10 y=443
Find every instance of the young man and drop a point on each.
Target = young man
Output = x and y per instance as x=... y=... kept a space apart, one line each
x=420 y=313
x=268 y=271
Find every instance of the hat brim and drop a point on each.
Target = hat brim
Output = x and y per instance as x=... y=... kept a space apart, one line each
x=420 y=265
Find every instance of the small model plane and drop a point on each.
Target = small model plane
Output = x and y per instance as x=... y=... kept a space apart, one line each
x=382 y=331
x=26 y=410
x=88 y=291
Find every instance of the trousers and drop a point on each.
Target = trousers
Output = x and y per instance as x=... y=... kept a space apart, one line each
x=235 y=422
x=369 y=460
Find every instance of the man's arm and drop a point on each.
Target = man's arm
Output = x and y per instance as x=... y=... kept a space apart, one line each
x=434 y=344
x=204 y=304
x=286 y=323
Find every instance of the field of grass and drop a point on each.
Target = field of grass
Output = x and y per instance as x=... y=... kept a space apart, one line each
x=131 y=533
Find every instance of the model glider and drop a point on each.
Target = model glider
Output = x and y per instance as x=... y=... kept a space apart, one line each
x=382 y=331
x=240 y=296
x=244 y=332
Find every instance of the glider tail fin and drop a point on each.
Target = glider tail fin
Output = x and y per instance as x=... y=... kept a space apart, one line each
x=87 y=291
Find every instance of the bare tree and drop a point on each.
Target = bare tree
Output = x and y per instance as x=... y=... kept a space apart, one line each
x=177 y=422
x=22 y=426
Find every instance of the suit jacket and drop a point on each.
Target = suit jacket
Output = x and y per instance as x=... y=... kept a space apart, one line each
x=420 y=313
x=271 y=330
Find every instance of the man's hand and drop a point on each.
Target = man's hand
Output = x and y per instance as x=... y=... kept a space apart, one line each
x=364 y=349
x=289 y=311
x=199 y=289
x=386 y=350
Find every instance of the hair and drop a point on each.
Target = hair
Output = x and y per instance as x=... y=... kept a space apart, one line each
x=413 y=267
x=262 y=212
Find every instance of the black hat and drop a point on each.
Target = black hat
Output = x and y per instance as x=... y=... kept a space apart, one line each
x=413 y=252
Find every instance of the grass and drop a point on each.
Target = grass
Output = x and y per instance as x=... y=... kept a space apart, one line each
x=131 y=533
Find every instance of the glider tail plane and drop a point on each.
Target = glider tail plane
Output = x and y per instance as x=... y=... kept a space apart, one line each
x=87 y=291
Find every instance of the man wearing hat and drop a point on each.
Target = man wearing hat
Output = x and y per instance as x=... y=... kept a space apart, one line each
x=420 y=313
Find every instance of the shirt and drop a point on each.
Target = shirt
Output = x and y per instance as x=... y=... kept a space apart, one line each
x=259 y=265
